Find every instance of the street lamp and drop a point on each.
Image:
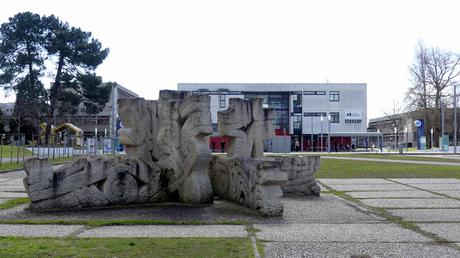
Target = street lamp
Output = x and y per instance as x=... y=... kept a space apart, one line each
x=431 y=133
x=455 y=118
x=311 y=136
x=396 y=139
x=406 y=130
x=321 y=133
x=329 y=133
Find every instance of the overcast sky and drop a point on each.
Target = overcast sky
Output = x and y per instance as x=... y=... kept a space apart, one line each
x=156 y=44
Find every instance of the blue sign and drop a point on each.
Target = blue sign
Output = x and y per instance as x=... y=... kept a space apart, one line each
x=420 y=124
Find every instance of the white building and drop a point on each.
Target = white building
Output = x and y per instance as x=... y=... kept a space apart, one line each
x=302 y=110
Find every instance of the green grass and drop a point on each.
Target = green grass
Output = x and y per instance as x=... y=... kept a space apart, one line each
x=14 y=202
x=6 y=151
x=7 y=166
x=125 y=247
x=120 y=222
x=334 y=168
x=394 y=157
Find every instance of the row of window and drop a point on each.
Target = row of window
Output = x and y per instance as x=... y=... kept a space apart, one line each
x=333 y=95
x=335 y=116
x=215 y=92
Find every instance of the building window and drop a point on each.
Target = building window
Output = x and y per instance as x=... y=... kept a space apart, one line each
x=334 y=96
x=310 y=114
x=222 y=101
x=318 y=92
x=335 y=117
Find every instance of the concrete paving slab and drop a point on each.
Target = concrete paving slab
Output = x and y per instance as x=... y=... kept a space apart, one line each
x=394 y=194
x=449 y=231
x=4 y=179
x=364 y=250
x=357 y=232
x=167 y=231
x=12 y=188
x=372 y=187
x=12 y=195
x=427 y=215
x=13 y=174
x=412 y=203
x=426 y=180
x=451 y=193
x=38 y=230
x=324 y=208
x=433 y=187
x=14 y=181
x=364 y=181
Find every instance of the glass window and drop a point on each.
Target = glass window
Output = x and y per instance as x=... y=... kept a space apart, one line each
x=308 y=93
x=335 y=117
x=222 y=101
x=320 y=93
x=309 y=114
x=334 y=96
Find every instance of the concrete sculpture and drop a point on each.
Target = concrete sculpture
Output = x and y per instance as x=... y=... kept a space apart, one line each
x=168 y=159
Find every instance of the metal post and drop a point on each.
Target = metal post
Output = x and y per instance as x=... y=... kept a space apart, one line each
x=432 y=141
x=321 y=134
x=311 y=136
x=407 y=138
x=1 y=149
x=455 y=119
x=396 y=139
x=441 y=142
x=329 y=134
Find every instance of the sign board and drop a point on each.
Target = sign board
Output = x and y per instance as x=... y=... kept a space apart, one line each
x=353 y=116
x=422 y=143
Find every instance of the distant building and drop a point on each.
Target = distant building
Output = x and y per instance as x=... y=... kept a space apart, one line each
x=302 y=111
x=105 y=121
x=7 y=112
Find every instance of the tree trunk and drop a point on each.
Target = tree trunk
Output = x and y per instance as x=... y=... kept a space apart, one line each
x=54 y=91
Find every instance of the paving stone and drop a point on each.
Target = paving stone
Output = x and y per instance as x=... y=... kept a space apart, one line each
x=433 y=187
x=422 y=215
x=324 y=208
x=426 y=180
x=364 y=250
x=12 y=195
x=12 y=188
x=372 y=187
x=14 y=174
x=357 y=232
x=38 y=230
x=449 y=231
x=364 y=181
x=167 y=231
x=14 y=181
x=451 y=193
x=412 y=203
x=4 y=179
x=394 y=194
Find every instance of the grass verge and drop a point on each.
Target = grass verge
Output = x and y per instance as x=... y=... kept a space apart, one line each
x=125 y=247
x=393 y=157
x=334 y=168
x=13 y=203
x=103 y=223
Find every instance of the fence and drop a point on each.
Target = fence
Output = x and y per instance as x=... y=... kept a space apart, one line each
x=14 y=149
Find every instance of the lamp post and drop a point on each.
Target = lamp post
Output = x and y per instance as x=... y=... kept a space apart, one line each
x=431 y=134
x=396 y=137
x=406 y=130
x=321 y=133
x=441 y=141
x=455 y=118
x=311 y=136
x=329 y=133
x=378 y=140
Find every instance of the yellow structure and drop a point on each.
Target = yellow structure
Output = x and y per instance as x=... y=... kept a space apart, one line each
x=75 y=131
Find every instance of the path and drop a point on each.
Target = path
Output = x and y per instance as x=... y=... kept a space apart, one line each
x=436 y=163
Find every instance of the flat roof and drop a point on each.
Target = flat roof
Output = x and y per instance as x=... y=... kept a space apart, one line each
x=274 y=87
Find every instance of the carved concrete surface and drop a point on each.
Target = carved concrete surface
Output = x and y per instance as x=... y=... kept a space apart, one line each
x=301 y=175
x=91 y=181
x=247 y=124
x=170 y=135
x=255 y=183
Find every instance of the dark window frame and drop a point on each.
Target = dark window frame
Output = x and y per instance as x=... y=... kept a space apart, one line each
x=335 y=117
x=334 y=96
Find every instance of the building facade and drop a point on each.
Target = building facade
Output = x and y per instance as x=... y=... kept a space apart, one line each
x=305 y=112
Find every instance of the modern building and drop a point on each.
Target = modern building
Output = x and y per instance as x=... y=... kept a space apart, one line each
x=306 y=113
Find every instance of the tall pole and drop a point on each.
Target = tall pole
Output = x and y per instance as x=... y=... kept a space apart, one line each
x=432 y=141
x=396 y=139
x=321 y=134
x=455 y=119
x=311 y=136
x=441 y=143
x=329 y=134
x=407 y=138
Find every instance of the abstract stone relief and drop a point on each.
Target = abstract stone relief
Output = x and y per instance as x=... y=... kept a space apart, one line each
x=168 y=159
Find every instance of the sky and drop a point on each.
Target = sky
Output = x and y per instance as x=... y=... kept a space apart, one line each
x=156 y=44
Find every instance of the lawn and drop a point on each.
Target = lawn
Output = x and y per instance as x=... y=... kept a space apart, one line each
x=12 y=166
x=6 y=151
x=394 y=157
x=334 y=168
x=125 y=247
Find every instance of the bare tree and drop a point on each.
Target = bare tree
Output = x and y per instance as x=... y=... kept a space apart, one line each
x=432 y=73
x=396 y=117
